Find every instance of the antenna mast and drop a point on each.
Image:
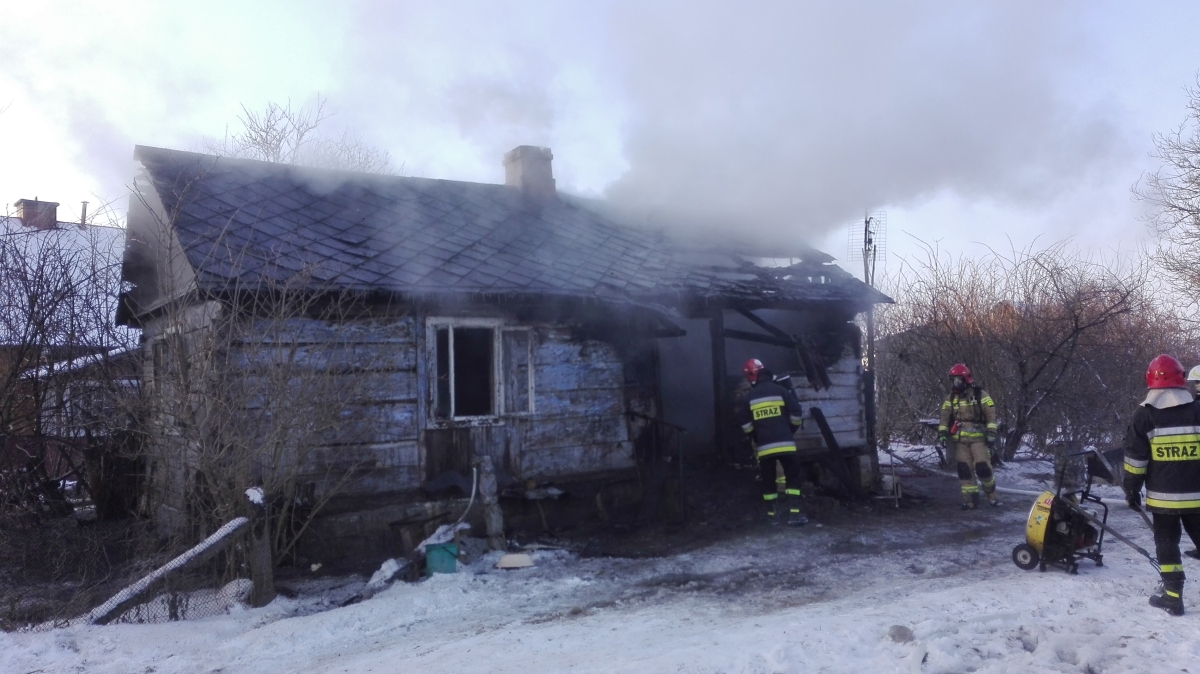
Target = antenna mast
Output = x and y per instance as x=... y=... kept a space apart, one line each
x=866 y=243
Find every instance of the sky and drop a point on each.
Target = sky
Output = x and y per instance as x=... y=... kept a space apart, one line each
x=993 y=123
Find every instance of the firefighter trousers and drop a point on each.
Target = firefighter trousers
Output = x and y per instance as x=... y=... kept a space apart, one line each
x=791 y=471
x=974 y=469
x=1168 y=530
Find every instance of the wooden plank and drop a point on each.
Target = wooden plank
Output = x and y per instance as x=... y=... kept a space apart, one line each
x=582 y=401
x=366 y=388
x=836 y=380
x=565 y=461
x=575 y=430
x=374 y=455
x=326 y=357
x=552 y=352
x=382 y=480
x=374 y=424
x=567 y=376
x=834 y=407
x=837 y=424
x=844 y=440
x=362 y=331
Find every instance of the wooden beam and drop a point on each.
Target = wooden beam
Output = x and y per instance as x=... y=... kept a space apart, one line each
x=765 y=325
x=755 y=337
x=716 y=332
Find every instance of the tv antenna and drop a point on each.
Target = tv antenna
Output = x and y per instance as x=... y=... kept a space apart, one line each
x=867 y=241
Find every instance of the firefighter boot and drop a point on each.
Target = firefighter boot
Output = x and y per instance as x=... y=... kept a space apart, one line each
x=1169 y=597
x=796 y=516
x=773 y=509
x=973 y=504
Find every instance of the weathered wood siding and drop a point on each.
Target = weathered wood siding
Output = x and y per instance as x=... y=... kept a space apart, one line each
x=375 y=362
x=579 y=423
x=842 y=404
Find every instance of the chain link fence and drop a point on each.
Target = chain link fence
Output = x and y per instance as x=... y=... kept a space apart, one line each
x=207 y=580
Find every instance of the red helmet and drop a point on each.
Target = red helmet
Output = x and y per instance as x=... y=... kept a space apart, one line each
x=1165 y=372
x=961 y=370
x=752 y=368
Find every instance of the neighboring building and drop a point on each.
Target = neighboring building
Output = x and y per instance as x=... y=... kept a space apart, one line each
x=59 y=287
x=502 y=320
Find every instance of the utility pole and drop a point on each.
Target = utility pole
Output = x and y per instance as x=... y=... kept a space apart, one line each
x=873 y=233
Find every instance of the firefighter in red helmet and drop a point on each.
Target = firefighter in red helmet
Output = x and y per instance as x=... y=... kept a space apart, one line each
x=770 y=416
x=969 y=420
x=1161 y=455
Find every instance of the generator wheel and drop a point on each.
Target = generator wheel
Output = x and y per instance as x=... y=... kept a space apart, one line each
x=1073 y=569
x=1099 y=560
x=1025 y=557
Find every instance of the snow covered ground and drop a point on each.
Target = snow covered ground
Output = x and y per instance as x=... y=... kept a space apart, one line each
x=817 y=599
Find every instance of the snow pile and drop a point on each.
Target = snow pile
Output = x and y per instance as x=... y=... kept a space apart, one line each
x=444 y=534
x=387 y=571
x=911 y=591
x=256 y=495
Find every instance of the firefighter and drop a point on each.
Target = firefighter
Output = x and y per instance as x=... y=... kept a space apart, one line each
x=1162 y=453
x=1193 y=381
x=770 y=416
x=969 y=419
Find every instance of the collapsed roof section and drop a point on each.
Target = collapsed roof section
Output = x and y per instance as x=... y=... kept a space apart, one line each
x=245 y=224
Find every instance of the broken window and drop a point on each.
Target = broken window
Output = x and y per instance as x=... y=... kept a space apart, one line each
x=480 y=370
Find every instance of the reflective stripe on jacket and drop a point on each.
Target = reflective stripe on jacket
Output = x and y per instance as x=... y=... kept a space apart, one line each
x=771 y=413
x=975 y=416
x=1162 y=451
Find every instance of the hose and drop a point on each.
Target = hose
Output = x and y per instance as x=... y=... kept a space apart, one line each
x=474 y=484
x=911 y=464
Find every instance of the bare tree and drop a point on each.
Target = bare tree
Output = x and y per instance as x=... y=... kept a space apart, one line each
x=59 y=291
x=285 y=135
x=65 y=440
x=259 y=385
x=1060 y=341
x=1174 y=191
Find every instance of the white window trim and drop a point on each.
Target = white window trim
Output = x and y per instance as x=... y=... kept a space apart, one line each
x=498 y=328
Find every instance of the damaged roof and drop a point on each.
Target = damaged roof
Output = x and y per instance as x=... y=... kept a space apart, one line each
x=250 y=222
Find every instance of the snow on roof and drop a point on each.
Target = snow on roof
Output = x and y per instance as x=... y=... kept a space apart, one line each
x=35 y=261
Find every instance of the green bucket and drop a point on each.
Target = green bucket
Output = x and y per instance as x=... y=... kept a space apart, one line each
x=441 y=558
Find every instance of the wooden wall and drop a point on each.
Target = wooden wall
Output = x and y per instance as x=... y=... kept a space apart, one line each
x=842 y=403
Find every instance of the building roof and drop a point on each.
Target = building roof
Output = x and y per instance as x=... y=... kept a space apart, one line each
x=75 y=272
x=249 y=222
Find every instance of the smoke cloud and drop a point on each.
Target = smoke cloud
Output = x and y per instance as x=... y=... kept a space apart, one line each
x=799 y=118
x=776 y=121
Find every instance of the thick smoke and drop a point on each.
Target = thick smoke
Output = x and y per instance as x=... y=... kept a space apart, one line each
x=797 y=118
x=762 y=119
x=770 y=119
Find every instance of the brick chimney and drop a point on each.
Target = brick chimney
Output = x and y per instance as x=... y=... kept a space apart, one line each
x=528 y=168
x=37 y=214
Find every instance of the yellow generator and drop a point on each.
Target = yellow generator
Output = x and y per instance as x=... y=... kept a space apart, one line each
x=1066 y=527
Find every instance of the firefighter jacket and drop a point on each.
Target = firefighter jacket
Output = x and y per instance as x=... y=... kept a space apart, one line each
x=1162 y=451
x=771 y=414
x=968 y=416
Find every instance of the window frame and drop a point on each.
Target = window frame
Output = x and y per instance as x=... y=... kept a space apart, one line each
x=498 y=328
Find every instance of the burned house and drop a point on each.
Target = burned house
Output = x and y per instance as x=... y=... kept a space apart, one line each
x=505 y=320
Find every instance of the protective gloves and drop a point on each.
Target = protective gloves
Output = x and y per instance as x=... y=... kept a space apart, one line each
x=943 y=441
x=1134 y=499
x=990 y=437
